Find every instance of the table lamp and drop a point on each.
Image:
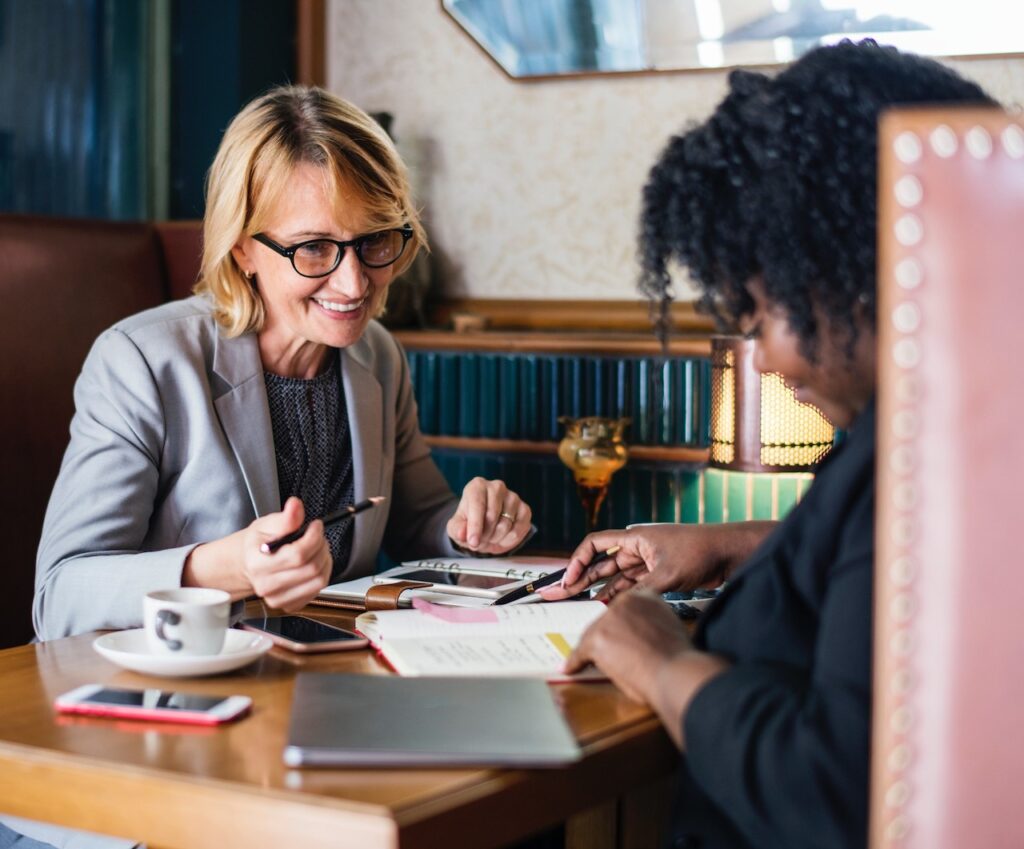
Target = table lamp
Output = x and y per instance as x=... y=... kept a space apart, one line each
x=757 y=427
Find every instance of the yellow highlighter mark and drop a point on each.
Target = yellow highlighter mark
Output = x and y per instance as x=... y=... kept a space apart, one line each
x=560 y=643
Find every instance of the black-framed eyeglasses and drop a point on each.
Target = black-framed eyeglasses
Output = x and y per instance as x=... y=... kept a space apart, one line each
x=319 y=257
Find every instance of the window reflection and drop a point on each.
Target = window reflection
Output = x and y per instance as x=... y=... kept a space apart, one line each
x=556 y=37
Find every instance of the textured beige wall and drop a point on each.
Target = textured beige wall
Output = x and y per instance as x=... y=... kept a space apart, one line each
x=529 y=190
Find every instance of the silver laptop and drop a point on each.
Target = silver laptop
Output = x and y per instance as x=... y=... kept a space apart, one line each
x=373 y=720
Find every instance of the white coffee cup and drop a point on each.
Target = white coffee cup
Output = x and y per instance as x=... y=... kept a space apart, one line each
x=186 y=621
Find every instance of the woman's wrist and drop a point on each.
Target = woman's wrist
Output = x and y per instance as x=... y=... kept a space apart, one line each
x=212 y=565
x=743 y=540
x=677 y=682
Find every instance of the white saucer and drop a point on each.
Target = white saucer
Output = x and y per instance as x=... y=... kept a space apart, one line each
x=129 y=649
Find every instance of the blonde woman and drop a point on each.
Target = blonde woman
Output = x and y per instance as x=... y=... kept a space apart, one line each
x=208 y=426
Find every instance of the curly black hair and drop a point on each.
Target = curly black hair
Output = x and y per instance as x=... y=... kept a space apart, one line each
x=781 y=182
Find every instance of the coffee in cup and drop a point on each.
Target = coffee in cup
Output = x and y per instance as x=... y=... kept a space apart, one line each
x=186 y=620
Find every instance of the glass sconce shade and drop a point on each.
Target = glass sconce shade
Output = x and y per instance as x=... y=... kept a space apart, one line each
x=594 y=449
x=757 y=424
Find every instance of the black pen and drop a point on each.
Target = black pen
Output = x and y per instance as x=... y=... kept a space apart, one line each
x=552 y=578
x=329 y=519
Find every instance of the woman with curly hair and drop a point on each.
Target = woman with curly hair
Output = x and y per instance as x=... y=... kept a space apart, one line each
x=771 y=205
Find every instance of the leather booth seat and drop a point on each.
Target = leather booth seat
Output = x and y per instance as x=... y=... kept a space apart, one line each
x=948 y=756
x=62 y=282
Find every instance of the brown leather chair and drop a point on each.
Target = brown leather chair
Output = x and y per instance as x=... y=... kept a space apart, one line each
x=948 y=756
x=62 y=282
x=181 y=244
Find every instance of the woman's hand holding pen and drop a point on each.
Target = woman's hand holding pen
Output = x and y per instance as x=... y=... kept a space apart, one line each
x=490 y=518
x=288 y=578
x=661 y=558
x=292 y=576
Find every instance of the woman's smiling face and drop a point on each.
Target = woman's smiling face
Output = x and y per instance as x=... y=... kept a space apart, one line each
x=306 y=316
x=839 y=385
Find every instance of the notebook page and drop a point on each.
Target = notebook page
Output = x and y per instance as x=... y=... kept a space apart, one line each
x=519 y=568
x=540 y=655
x=566 y=617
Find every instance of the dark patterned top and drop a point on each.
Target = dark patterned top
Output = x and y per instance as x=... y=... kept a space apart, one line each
x=314 y=449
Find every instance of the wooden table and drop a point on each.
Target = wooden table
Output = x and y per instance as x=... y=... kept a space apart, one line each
x=192 y=787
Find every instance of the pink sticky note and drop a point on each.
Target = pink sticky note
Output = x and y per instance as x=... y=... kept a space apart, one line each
x=455 y=614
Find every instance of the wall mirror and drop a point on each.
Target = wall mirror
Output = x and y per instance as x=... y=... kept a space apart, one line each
x=551 y=38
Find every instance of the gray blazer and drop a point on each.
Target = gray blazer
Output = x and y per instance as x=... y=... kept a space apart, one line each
x=171 y=446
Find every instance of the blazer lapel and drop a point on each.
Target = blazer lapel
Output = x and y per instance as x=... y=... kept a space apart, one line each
x=245 y=418
x=363 y=400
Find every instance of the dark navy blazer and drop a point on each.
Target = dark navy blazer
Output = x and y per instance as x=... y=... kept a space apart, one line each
x=777 y=746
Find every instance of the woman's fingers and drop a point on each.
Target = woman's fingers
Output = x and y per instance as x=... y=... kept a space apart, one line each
x=276 y=525
x=582 y=656
x=580 y=562
x=278 y=584
x=297 y=596
x=581 y=573
x=503 y=540
x=591 y=575
x=457 y=529
x=618 y=584
x=507 y=516
x=631 y=643
x=471 y=513
x=490 y=518
x=594 y=573
x=296 y=572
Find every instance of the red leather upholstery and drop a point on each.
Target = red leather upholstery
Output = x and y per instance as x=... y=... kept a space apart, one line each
x=182 y=244
x=62 y=282
x=948 y=757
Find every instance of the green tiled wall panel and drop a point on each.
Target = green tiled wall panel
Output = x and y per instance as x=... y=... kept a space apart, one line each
x=714 y=497
x=742 y=496
x=691 y=497
x=762 y=495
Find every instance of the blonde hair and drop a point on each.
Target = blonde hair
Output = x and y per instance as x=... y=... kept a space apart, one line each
x=273 y=134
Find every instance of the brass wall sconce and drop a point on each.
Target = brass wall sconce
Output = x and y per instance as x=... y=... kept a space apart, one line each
x=594 y=449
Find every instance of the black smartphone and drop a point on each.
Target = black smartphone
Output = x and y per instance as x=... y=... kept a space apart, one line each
x=301 y=634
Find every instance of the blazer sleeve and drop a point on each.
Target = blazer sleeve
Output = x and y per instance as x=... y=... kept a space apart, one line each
x=784 y=754
x=422 y=500
x=92 y=569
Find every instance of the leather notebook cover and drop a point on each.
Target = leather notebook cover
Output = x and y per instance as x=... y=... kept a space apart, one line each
x=363 y=594
x=373 y=720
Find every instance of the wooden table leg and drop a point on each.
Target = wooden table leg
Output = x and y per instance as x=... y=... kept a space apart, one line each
x=596 y=828
x=644 y=815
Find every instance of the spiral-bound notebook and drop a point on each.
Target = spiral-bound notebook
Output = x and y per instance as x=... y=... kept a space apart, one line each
x=454 y=581
x=375 y=720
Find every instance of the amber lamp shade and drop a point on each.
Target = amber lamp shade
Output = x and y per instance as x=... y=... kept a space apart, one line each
x=757 y=424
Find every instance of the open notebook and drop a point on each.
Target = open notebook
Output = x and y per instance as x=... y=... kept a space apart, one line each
x=516 y=640
x=494 y=572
